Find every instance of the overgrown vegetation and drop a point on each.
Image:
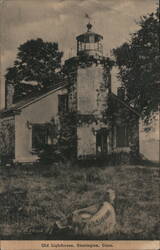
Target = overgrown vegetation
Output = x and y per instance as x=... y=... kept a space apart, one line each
x=63 y=138
x=33 y=197
x=139 y=63
x=7 y=137
x=37 y=67
x=67 y=142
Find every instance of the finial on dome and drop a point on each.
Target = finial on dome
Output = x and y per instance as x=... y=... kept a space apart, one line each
x=89 y=26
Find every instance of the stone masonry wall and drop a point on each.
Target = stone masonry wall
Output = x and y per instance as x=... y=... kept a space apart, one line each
x=93 y=86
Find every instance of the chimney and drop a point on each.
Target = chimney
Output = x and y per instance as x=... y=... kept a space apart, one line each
x=121 y=93
x=9 y=89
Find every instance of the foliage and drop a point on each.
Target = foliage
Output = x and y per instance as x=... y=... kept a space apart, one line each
x=49 y=154
x=139 y=63
x=67 y=135
x=84 y=61
x=7 y=137
x=35 y=68
x=63 y=140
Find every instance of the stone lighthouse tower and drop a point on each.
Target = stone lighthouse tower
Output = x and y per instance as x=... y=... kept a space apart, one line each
x=89 y=88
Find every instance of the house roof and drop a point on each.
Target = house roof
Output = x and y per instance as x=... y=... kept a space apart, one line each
x=125 y=104
x=16 y=108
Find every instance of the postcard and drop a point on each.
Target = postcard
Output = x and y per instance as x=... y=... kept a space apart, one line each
x=79 y=124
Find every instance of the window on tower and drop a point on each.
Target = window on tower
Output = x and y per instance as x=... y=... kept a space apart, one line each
x=62 y=103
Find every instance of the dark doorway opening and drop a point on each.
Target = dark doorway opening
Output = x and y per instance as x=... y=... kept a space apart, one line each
x=101 y=142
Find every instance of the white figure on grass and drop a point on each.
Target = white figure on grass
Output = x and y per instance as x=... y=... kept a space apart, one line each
x=98 y=219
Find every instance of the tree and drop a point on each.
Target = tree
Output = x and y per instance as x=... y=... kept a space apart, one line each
x=139 y=66
x=36 y=67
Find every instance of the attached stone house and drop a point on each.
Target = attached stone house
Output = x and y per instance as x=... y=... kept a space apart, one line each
x=105 y=124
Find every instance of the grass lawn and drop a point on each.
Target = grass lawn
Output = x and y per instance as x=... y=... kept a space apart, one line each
x=32 y=198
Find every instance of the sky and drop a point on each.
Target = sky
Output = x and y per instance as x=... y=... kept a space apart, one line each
x=62 y=20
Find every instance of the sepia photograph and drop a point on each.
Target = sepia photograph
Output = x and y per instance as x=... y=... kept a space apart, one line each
x=79 y=121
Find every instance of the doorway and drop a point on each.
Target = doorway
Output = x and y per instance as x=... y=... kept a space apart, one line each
x=101 y=142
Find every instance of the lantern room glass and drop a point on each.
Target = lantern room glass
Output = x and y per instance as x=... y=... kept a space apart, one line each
x=83 y=47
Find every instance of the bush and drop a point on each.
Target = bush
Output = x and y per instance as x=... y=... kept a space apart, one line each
x=6 y=159
x=49 y=154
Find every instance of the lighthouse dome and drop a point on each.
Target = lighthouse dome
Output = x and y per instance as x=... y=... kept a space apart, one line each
x=89 y=43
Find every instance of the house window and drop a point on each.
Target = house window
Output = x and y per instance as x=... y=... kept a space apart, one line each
x=122 y=136
x=63 y=103
x=39 y=135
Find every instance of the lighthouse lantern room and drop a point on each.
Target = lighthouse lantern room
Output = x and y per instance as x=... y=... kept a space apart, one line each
x=89 y=43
